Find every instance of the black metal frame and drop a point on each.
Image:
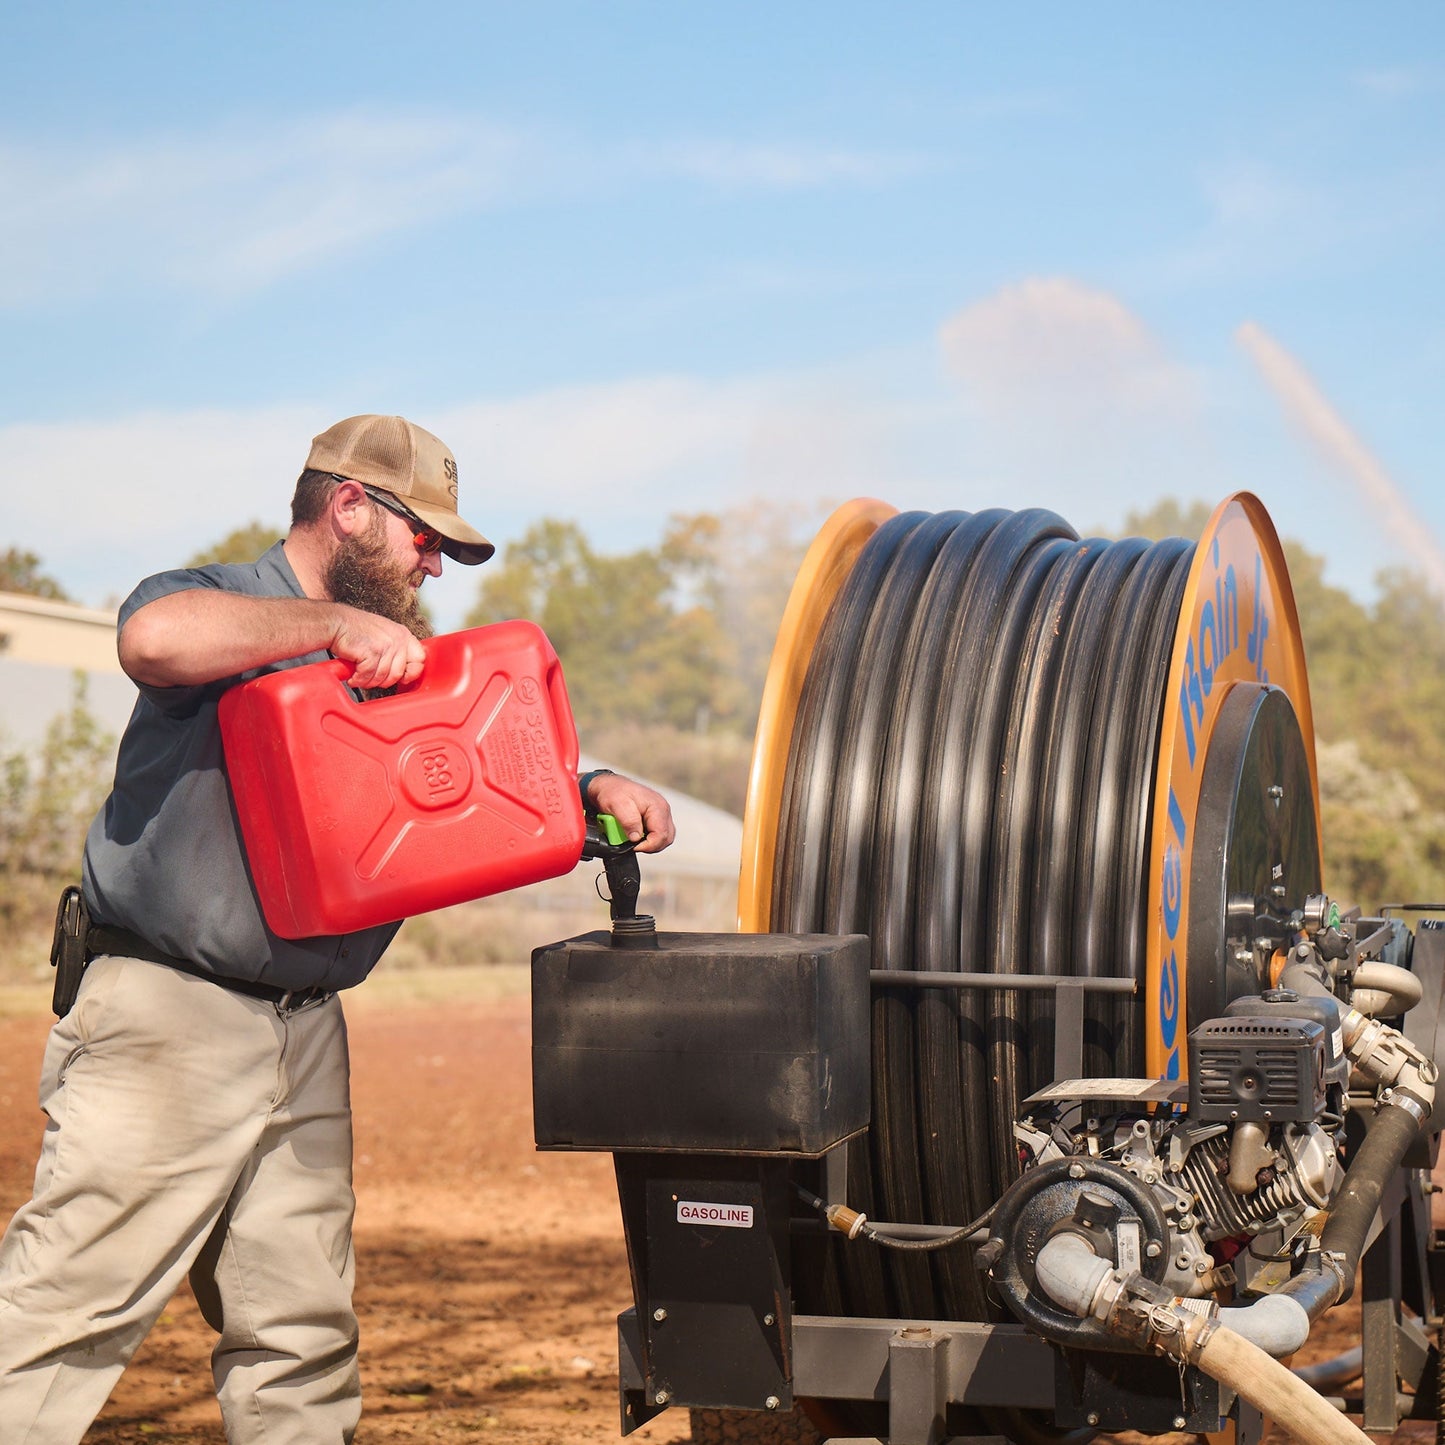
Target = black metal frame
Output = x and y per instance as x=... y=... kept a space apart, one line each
x=921 y=1367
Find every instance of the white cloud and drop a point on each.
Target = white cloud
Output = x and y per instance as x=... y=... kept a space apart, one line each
x=1067 y=401
x=1075 y=404
x=104 y=503
x=234 y=209
x=1394 y=82
x=1051 y=349
x=621 y=457
x=569 y=445
x=1061 y=397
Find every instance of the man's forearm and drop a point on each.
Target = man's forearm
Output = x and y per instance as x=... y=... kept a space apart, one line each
x=200 y=635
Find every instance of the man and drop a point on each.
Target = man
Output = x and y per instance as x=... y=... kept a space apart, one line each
x=197 y=1091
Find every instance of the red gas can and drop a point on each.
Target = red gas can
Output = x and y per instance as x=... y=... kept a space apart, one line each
x=355 y=813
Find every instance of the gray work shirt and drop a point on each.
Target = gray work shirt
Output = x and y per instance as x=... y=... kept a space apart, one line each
x=164 y=856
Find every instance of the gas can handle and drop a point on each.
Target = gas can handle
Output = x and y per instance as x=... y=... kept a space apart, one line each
x=562 y=711
x=343 y=672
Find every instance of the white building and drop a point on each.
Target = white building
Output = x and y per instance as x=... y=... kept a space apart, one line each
x=43 y=645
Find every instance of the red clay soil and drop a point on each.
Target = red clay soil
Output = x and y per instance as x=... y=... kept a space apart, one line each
x=488 y=1276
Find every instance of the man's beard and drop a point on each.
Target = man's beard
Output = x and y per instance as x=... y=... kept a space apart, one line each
x=363 y=573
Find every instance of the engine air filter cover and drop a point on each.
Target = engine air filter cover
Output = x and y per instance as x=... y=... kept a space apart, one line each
x=1262 y=1068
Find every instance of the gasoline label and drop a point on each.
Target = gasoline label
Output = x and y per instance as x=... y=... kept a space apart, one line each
x=730 y=1216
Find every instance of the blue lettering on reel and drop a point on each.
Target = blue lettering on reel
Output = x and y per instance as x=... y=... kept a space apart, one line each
x=1169 y=1012
x=1173 y=901
x=1216 y=636
x=1259 y=625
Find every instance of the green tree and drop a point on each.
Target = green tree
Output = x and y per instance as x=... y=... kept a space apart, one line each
x=1377 y=692
x=628 y=651
x=740 y=566
x=664 y=649
x=20 y=572
x=48 y=796
x=1168 y=517
x=244 y=544
x=678 y=635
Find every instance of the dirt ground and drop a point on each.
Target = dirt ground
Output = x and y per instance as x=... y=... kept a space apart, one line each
x=489 y=1275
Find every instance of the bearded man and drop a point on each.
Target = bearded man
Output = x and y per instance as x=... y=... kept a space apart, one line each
x=197 y=1092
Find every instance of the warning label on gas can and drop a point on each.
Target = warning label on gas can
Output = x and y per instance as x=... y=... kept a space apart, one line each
x=731 y=1216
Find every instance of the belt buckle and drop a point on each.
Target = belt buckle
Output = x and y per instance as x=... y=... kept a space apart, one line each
x=295 y=1000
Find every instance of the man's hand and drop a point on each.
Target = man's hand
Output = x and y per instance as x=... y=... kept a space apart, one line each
x=641 y=812
x=383 y=652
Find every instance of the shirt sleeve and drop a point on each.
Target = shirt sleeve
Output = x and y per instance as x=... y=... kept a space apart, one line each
x=182 y=701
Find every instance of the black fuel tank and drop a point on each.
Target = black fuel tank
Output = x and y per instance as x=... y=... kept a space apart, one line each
x=753 y=1043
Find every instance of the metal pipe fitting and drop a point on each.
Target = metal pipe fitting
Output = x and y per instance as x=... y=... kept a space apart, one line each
x=1385 y=988
x=1385 y=1059
x=1274 y=1323
x=1249 y=1152
x=1073 y=1276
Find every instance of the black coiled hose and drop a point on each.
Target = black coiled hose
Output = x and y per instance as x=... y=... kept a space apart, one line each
x=969 y=783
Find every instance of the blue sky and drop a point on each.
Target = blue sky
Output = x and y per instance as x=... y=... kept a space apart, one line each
x=630 y=259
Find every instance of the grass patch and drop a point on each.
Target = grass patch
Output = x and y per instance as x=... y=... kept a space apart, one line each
x=457 y=983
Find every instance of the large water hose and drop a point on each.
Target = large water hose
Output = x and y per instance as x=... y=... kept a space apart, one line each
x=1406 y=1079
x=969 y=784
x=1275 y=1391
x=1078 y=1280
x=1342 y=1241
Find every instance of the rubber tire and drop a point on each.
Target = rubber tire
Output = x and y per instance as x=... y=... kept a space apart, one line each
x=753 y=1427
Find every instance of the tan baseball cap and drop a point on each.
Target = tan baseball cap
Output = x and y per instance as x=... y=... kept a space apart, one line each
x=397 y=456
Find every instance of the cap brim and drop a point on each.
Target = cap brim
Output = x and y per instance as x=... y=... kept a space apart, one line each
x=462 y=542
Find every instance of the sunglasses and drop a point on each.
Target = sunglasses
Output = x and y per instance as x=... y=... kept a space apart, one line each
x=426 y=539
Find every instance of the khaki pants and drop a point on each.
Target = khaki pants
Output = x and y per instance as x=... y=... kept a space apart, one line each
x=190 y=1129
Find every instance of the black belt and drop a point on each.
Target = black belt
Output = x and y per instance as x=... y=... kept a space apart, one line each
x=106 y=938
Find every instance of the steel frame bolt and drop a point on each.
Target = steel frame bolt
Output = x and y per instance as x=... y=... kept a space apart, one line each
x=659 y=1314
x=771 y=1403
x=1076 y=1171
x=1180 y=1422
x=661 y=1397
x=1092 y=1418
x=768 y=1319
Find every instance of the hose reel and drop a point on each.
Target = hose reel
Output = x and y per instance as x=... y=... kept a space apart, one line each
x=984 y=744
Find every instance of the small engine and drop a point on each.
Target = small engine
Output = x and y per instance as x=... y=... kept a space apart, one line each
x=1239 y=1173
